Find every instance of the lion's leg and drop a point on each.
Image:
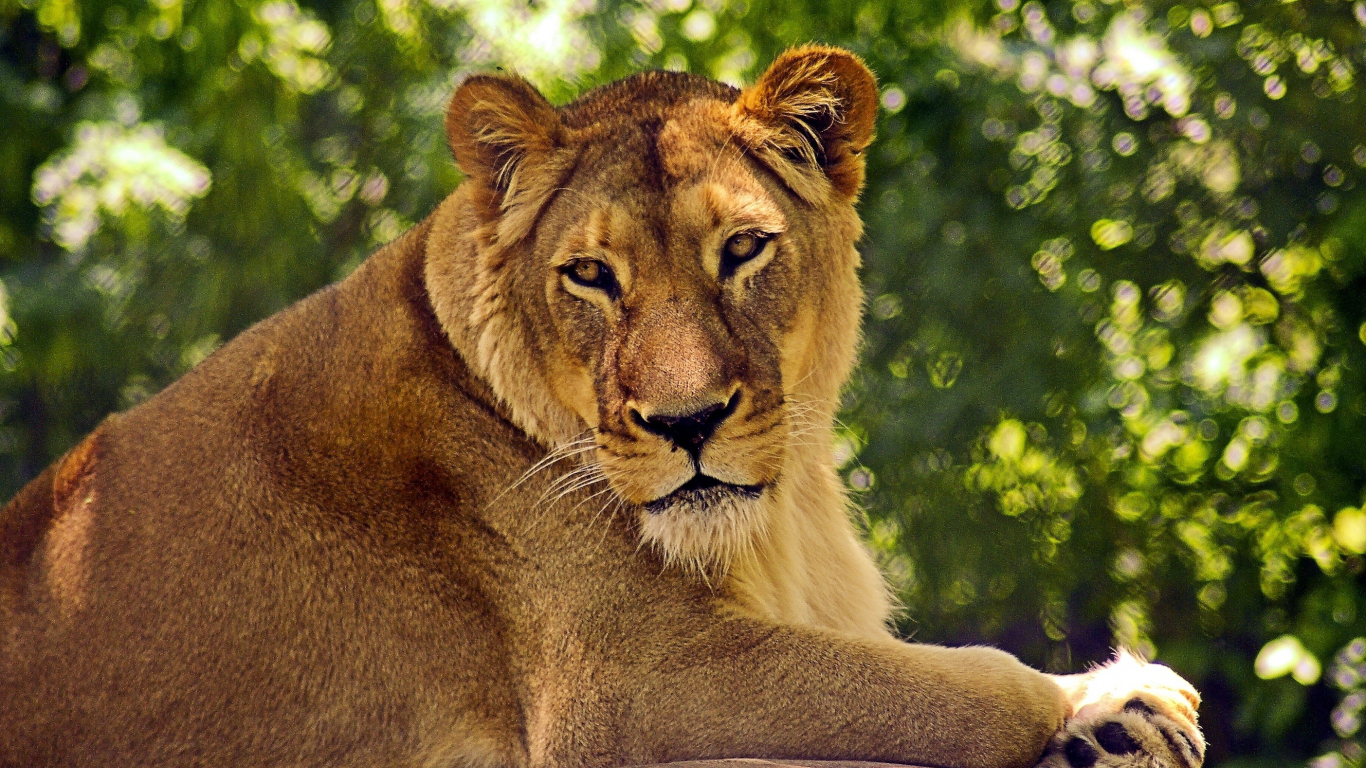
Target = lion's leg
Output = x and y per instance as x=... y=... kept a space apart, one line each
x=742 y=688
x=1129 y=714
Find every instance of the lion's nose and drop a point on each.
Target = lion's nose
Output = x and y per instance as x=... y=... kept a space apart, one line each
x=688 y=431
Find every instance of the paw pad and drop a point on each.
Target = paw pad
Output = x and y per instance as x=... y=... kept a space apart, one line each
x=1080 y=753
x=1113 y=738
x=1139 y=705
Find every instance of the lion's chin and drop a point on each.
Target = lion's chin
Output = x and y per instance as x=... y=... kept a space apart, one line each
x=706 y=525
x=700 y=494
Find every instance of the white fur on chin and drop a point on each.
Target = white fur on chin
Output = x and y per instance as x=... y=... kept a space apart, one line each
x=709 y=533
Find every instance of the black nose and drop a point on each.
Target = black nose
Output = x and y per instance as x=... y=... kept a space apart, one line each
x=689 y=431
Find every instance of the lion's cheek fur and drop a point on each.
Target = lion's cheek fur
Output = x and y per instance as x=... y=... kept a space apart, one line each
x=640 y=478
x=810 y=566
x=473 y=290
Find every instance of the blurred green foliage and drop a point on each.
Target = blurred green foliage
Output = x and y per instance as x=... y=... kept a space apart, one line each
x=1116 y=259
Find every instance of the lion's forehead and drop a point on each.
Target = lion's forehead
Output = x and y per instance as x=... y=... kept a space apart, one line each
x=657 y=145
x=683 y=215
x=675 y=176
x=693 y=137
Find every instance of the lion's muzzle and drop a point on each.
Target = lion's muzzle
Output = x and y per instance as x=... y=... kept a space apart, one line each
x=688 y=430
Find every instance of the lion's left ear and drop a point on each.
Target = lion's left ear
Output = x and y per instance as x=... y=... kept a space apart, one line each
x=816 y=106
x=500 y=126
x=511 y=144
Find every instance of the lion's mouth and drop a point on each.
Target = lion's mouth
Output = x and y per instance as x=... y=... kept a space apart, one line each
x=702 y=491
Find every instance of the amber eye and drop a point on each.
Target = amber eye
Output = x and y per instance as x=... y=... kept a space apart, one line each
x=741 y=248
x=591 y=273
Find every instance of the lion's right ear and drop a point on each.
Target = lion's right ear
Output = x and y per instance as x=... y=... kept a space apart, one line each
x=814 y=108
x=498 y=126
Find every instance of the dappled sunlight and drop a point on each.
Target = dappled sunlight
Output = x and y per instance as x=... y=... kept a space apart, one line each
x=1222 y=360
x=1348 y=675
x=1027 y=480
x=1182 y=368
x=109 y=168
x=1138 y=64
x=1286 y=655
x=541 y=41
x=1127 y=58
x=292 y=44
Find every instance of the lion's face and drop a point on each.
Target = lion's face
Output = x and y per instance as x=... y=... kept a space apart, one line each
x=678 y=300
x=679 y=268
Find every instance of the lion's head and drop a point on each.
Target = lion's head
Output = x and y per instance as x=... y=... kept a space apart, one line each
x=662 y=275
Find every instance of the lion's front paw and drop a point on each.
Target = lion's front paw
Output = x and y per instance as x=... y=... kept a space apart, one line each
x=1130 y=715
x=1134 y=737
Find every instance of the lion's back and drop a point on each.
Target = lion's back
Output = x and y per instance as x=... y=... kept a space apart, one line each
x=220 y=538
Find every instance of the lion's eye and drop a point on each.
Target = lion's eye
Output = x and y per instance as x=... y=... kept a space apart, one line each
x=741 y=248
x=591 y=273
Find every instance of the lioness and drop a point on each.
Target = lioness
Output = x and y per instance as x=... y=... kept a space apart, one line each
x=547 y=482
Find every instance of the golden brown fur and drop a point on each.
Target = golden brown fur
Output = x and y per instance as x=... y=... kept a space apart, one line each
x=478 y=505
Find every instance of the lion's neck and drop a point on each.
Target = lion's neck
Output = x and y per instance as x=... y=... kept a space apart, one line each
x=811 y=566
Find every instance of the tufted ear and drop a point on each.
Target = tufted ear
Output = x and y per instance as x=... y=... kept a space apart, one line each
x=816 y=106
x=498 y=125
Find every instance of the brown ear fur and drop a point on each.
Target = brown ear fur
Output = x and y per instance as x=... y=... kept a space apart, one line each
x=495 y=123
x=819 y=105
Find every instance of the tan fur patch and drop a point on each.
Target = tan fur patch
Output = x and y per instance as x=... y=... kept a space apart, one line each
x=66 y=549
x=688 y=140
